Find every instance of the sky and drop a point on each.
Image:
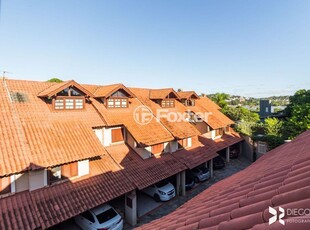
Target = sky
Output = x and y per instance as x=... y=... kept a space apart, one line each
x=244 y=47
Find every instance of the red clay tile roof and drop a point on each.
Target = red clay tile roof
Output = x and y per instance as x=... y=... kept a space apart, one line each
x=204 y=149
x=180 y=129
x=162 y=93
x=216 y=119
x=52 y=137
x=18 y=212
x=144 y=172
x=228 y=139
x=107 y=90
x=188 y=94
x=14 y=150
x=197 y=154
x=55 y=88
x=59 y=202
x=279 y=178
x=145 y=134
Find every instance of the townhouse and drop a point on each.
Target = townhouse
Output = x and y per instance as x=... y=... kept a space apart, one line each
x=67 y=147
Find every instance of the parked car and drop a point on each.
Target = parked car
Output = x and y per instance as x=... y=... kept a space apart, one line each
x=189 y=180
x=218 y=163
x=161 y=191
x=234 y=152
x=101 y=217
x=200 y=173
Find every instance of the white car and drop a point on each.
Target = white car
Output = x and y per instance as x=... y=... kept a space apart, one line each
x=161 y=191
x=103 y=217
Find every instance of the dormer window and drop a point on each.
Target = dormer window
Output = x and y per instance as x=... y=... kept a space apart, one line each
x=168 y=103
x=188 y=98
x=67 y=95
x=118 y=99
x=189 y=102
x=69 y=99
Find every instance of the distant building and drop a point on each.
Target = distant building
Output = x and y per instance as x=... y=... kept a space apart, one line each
x=264 y=109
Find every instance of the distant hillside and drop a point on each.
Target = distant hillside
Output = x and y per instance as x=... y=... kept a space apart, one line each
x=253 y=102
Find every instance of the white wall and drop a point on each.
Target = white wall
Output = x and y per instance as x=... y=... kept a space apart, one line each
x=21 y=182
x=83 y=167
x=144 y=152
x=130 y=140
x=173 y=146
x=189 y=142
x=99 y=134
x=166 y=147
x=37 y=179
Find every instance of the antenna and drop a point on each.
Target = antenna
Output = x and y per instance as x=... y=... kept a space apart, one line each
x=4 y=72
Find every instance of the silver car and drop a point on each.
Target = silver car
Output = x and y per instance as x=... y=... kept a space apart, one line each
x=200 y=173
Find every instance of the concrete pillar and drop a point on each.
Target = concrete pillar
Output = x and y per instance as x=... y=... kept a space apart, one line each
x=131 y=208
x=211 y=167
x=183 y=191
x=178 y=184
x=227 y=154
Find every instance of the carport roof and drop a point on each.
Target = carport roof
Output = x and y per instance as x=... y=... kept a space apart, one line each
x=241 y=201
x=59 y=202
x=197 y=154
x=144 y=172
x=204 y=149
x=48 y=206
x=18 y=212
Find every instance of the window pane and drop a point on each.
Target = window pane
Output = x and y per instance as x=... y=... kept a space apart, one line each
x=124 y=103
x=106 y=216
x=69 y=104
x=59 y=104
x=79 y=103
x=88 y=216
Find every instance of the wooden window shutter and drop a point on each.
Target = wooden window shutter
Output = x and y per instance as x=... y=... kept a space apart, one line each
x=66 y=171
x=5 y=185
x=157 y=148
x=74 y=169
x=69 y=170
x=185 y=144
x=117 y=135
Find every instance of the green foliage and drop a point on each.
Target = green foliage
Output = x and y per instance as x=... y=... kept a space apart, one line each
x=220 y=99
x=271 y=140
x=273 y=126
x=298 y=114
x=55 y=80
x=244 y=118
x=240 y=114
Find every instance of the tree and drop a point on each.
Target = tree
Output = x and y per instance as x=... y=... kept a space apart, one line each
x=220 y=99
x=273 y=126
x=180 y=90
x=55 y=80
x=246 y=120
x=298 y=114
